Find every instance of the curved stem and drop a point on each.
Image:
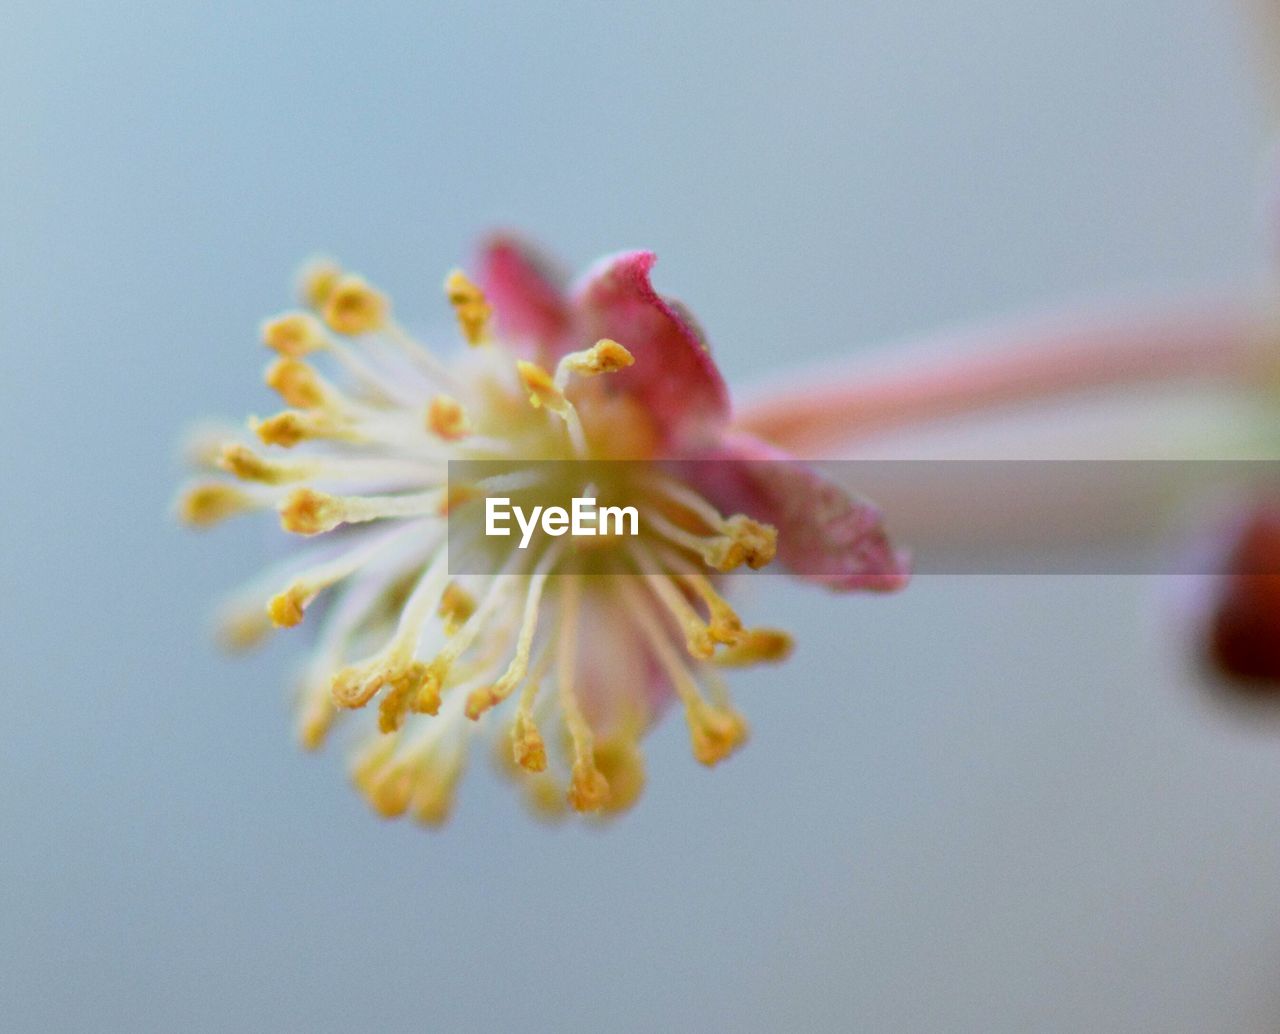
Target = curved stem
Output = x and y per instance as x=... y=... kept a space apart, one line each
x=1231 y=340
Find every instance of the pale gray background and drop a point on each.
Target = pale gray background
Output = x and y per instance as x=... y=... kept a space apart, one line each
x=988 y=805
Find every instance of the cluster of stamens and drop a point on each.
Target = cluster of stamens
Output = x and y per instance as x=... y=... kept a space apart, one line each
x=359 y=461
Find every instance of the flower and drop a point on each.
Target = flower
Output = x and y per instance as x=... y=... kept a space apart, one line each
x=571 y=653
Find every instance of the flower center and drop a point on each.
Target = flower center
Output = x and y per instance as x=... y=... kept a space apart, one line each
x=619 y=623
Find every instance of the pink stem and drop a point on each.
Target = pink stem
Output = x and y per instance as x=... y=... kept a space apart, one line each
x=1225 y=341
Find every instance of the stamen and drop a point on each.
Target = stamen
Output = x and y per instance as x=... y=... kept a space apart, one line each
x=394 y=665
x=247 y=465
x=542 y=391
x=244 y=463
x=202 y=446
x=292 y=426
x=435 y=788
x=469 y=303
x=205 y=505
x=605 y=356
x=242 y=625
x=316 y=281
x=588 y=788
x=487 y=697
x=527 y=746
x=620 y=761
x=714 y=732
x=742 y=540
x=287 y=607
x=544 y=798
x=456 y=607
x=758 y=540
x=725 y=626
x=298 y=384
x=438 y=670
x=749 y=541
x=305 y=511
x=756 y=646
x=294 y=334
x=447 y=419
x=374 y=775
x=541 y=387
x=351 y=610
x=298 y=334
x=698 y=638
x=354 y=307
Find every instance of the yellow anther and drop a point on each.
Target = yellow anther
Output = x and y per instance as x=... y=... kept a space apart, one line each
x=386 y=782
x=456 y=605
x=428 y=687
x=433 y=793
x=286 y=609
x=605 y=356
x=759 y=541
x=481 y=699
x=242 y=628
x=305 y=511
x=285 y=429
x=757 y=646
x=697 y=635
x=588 y=788
x=314 y=721
x=698 y=640
x=247 y=465
x=296 y=382
x=622 y=765
x=356 y=685
x=292 y=426
x=203 y=506
x=317 y=280
x=294 y=334
x=745 y=541
x=724 y=554
x=541 y=387
x=527 y=747
x=545 y=798
x=202 y=447
x=369 y=761
x=725 y=626
x=391 y=792
x=714 y=733
x=353 y=307
x=470 y=306
x=395 y=702
x=447 y=419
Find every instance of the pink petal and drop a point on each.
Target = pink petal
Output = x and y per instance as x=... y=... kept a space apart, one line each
x=824 y=534
x=674 y=377
x=527 y=292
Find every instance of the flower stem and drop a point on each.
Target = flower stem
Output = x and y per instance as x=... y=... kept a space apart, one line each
x=1230 y=341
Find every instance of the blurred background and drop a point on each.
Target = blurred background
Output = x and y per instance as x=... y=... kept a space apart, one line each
x=985 y=805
